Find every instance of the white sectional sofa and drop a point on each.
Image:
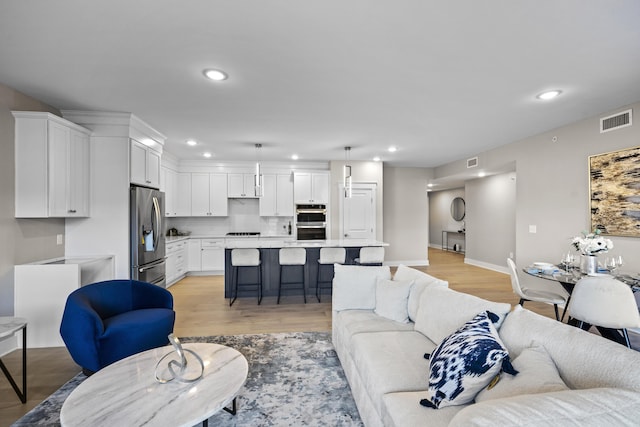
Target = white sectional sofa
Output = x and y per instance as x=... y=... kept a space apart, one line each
x=598 y=380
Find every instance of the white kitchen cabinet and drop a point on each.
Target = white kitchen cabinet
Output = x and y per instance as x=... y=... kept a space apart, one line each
x=277 y=197
x=145 y=165
x=209 y=194
x=183 y=194
x=177 y=262
x=52 y=166
x=241 y=185
x=194 y=255
x=212 y=251
x=169 y=184
x=311 y=187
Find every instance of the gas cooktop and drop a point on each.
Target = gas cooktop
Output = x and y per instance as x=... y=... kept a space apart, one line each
x=244 y=233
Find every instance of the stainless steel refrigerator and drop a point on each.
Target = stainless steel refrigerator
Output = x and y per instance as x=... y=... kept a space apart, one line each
x=146 y=231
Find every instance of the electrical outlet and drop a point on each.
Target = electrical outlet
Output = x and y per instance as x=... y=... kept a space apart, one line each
x=511 y=255
x=59 y=239
x=533 y=229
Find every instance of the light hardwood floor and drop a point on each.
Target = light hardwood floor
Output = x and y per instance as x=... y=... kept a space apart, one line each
x=202 y=311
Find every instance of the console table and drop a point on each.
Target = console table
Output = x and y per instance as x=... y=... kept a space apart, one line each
x=8 y=327
x=445 y=239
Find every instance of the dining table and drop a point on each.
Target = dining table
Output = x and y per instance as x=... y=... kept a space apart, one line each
x=569 y=275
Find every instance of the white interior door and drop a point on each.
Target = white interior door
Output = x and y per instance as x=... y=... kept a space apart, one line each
x=358 y=213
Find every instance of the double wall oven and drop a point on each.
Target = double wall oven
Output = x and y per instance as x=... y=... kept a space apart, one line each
x=311 y=222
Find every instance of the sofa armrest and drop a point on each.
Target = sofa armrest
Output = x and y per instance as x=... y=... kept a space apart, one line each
x=80 y=329
x=590 y=407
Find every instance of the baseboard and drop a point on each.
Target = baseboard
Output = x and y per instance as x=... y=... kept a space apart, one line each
x=481 y=264
x=206 y=273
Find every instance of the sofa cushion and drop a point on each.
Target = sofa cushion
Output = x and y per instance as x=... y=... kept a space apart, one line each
x=465 y=362
x=401 y=409
x=391 y=299
x=354 y=286
x=536 y=374
x=584 y=360
x=390 y=362
x=421 y=281
x=594 y=407
x=443 y=310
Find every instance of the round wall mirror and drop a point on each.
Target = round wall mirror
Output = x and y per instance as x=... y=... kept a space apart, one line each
x=457 y=208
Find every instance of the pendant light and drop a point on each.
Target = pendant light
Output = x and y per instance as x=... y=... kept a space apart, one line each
x=258 y=175
x=346 y=172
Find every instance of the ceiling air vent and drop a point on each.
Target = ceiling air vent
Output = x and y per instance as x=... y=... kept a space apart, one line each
x=616 y=121
x=472 y=162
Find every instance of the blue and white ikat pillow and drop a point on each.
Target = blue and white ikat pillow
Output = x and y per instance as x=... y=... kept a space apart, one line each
x=465 y=362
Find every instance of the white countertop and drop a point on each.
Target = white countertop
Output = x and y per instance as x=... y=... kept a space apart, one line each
x=71 y=260
x=266 y=244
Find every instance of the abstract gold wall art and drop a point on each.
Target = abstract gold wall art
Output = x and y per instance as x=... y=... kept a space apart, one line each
x=614 y=189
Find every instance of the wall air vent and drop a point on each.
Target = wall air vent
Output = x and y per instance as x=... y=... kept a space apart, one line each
x=616 y=121
x=472 y=162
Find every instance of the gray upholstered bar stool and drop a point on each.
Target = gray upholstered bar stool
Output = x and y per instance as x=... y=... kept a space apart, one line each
x=293 y=259
x=370 y=255
x=328 y=257
x=245 y=259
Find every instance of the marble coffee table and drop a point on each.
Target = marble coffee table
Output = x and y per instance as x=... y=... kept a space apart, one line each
x=9 y=326
x=127 y=394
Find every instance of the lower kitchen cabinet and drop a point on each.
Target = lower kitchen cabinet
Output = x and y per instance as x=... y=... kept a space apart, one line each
x=176 y=261
x=205 y=255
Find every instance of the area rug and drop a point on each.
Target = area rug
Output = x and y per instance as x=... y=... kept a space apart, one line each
x=294 y=379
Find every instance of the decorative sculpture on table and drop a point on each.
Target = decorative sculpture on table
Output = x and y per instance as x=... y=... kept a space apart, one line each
x=180 y=364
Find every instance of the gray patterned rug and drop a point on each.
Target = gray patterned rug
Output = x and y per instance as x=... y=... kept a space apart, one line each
x=294 y=379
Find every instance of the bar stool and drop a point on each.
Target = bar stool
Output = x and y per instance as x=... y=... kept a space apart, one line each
x=370 y=255
x=293 y=258
x=328 y=257
x=245 y=258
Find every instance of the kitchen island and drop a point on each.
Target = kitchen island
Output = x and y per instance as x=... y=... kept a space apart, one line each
x=270 y=266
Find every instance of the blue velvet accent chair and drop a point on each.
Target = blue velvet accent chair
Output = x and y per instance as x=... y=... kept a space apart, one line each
x=107 y=321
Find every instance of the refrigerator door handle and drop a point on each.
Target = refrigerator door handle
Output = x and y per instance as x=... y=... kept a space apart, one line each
x=151 y=266
x=156 y=210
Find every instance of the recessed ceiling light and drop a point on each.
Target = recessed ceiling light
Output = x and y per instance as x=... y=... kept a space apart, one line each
x=550 y=94
x=429 y=185
x=216 y=75
x=191 y=142
x=207 y=155
x=393 y=149
x=481 y=174
x=376 y=159
x=294 y=157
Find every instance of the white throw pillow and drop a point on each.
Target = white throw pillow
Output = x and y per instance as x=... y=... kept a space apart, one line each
x=465 y=362
x=354 y=286
x=443 y=310
x=536 y=374
x=391 y=299
x=421 y=281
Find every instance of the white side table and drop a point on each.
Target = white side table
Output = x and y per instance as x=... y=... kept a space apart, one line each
x=8 y=327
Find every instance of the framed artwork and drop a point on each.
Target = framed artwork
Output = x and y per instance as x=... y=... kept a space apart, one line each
x=614 y=190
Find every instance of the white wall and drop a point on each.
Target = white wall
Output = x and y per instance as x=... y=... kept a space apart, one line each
x=406 y=215
x=552 y=186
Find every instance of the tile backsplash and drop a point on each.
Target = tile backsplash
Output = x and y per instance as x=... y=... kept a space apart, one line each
x=243 y=216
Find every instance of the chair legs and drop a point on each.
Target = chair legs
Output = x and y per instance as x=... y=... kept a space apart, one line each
x=555 y=308
x=234 y=284
x=625 y=333
x=304 y=291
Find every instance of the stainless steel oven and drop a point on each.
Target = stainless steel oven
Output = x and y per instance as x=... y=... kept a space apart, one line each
x=311 y=222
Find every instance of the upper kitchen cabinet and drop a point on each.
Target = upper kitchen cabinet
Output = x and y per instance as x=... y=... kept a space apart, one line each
x=311 y=187
x=52 y=166
x=209 y=194
x=277 y=197
x=177 y=190
x=145 y=164
x=241 y=185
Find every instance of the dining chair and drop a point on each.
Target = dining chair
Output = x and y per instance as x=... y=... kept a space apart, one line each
x=605 y=302
x=530 y=293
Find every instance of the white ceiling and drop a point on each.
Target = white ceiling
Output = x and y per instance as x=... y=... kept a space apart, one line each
x=441 y=80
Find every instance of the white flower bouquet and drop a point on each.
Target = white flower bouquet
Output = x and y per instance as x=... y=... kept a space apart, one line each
x=592 y=243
